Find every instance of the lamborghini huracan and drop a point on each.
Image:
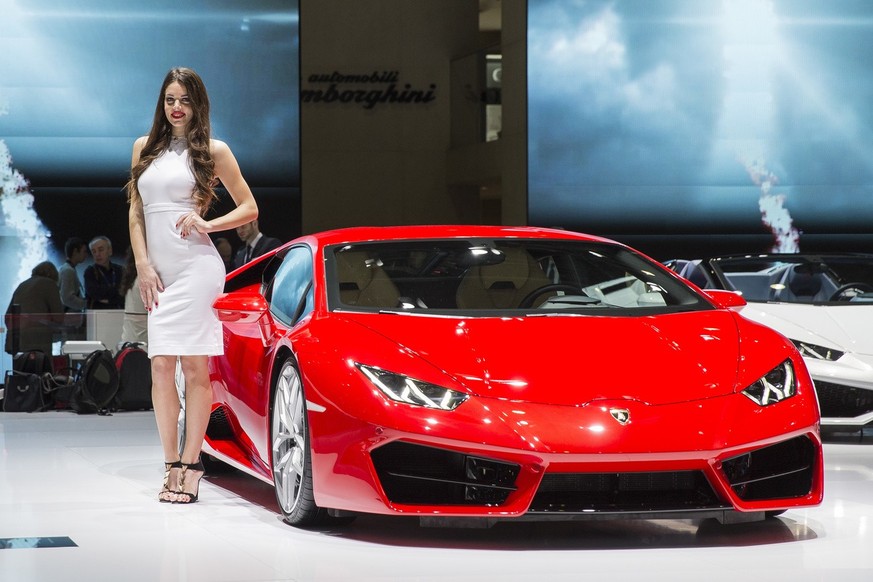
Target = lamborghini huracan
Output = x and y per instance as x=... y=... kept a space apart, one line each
x=491 y=373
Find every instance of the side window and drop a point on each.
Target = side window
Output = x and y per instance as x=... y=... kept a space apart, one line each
x=292 y=293
x=698 y=276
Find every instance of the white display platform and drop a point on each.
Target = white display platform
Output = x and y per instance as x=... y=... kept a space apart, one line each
x=104 y=325
x=77 y=350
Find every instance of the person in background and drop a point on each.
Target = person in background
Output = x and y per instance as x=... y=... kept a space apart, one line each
x=171 y=188
x=255 y=243
x=72 y=294
x=70 y=287
x=103 y=278
x=222 y=245
x=135 y=325
x=41 y=311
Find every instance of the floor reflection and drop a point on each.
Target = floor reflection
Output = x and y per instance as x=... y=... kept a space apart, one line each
x=95 y=480
x=402 y=531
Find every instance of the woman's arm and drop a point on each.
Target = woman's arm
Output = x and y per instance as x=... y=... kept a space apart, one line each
x=149 y=282
x=227 y=170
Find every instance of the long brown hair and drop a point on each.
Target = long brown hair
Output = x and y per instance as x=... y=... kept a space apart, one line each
x=129 y=275
x=198 y=136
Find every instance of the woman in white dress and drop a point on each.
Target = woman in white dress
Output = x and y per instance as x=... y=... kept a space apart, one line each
x=173 y=171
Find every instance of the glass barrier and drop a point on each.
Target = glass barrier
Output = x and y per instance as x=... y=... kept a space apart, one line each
x=49 y=332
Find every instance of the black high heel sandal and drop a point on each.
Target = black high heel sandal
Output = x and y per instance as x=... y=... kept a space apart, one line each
x=185 y=497
x=167 y=495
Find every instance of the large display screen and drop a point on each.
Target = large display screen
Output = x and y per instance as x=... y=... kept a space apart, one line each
x=79 y=82
x=688 y=127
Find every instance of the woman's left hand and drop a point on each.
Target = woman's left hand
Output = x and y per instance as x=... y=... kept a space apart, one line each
x=191 y=222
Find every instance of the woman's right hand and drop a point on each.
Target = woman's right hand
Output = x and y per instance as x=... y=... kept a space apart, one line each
x=149 y=285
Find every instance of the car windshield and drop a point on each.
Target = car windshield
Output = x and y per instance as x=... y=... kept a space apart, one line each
x=540 y=277
x=800 y=278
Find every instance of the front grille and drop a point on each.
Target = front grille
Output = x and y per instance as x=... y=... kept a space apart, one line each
x=419 y=475
x=839 y=401
x=624 y=492
x=780 y=471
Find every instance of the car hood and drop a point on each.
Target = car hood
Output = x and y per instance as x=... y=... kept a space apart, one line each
x=842 y=327
x=575 y=360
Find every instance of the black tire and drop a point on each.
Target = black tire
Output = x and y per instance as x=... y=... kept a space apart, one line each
x=290 y=455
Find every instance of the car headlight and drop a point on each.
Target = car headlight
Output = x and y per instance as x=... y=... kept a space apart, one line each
x=411 y=391
x=775 y=386
x=808 y=350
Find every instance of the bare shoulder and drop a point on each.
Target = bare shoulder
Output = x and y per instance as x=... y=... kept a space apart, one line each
x=219 y=148
x=137 y=148
x=224 y=158
x=140 y=143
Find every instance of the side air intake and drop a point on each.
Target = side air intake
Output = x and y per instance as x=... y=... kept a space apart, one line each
x=419 y=475
x=778 y=471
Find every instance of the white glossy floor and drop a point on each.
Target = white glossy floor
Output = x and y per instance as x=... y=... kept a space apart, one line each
x=94 y=480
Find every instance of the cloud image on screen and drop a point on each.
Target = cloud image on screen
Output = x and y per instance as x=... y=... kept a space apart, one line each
x=738 y=118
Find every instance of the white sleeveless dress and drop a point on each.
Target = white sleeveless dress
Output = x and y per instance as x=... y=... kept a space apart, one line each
x=183 y=323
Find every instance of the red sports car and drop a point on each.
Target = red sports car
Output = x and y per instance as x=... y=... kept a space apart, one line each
x=504 y=373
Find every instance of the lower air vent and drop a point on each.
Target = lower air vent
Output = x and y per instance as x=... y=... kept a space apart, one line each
x=779 y=471
x=419 y=475
x=624 y=492
x=219 y=427
x=838 y=401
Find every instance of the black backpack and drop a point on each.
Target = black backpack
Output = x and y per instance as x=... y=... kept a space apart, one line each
x=32 y=362
x=134 y=378
x=96 y=384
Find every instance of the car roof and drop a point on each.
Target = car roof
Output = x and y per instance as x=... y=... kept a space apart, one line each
x=387 y=233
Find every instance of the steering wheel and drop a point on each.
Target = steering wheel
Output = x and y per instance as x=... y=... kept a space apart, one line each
x=840 y=294
x=529 y=298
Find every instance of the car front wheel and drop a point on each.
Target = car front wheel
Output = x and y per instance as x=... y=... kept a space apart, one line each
x=291 y=457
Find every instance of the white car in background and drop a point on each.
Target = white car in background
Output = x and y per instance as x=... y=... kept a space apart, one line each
x=824 y=304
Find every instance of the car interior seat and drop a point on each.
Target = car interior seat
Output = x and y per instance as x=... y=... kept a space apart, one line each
x=501 y=286
x=802 y=283
x=363 y=282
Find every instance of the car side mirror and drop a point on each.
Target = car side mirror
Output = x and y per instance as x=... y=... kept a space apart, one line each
x=240 y=308
x=246 y=309
x=724 y=299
